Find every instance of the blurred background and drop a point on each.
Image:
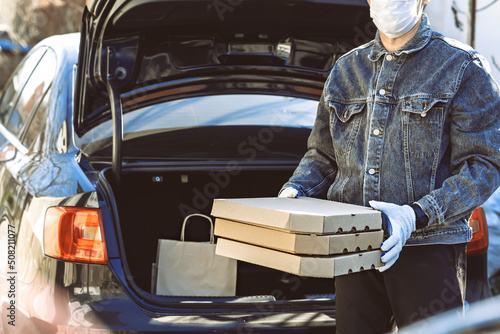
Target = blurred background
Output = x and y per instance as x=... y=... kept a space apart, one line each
x=23 y=23
x=471 y=22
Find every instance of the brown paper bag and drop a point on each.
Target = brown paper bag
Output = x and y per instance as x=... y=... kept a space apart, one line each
x=186 y=268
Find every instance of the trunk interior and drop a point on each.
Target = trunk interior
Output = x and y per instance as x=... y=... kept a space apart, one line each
x=152 y=206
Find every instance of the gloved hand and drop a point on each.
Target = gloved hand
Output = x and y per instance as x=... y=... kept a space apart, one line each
x=402 y=222
x=289 y=192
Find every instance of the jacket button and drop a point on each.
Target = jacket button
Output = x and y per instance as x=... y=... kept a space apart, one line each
x=388 y=57
x=376 y=132
x=346 y=114
x=423 y=114
x=381 y=92
x=371 y=171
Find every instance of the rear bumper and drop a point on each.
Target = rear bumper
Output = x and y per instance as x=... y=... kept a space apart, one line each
x=119 y=316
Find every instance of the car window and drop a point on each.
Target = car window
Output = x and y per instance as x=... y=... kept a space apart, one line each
x=33 y=92
x=213 y=110
x=218 y=110
x=17 y=82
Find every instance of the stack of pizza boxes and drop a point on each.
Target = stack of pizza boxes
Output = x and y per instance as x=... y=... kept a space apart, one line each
x=303 y=236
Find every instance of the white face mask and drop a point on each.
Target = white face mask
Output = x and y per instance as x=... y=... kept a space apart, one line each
x=395 y=17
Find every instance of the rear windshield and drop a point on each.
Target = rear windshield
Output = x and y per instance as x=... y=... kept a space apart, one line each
x=208 y=127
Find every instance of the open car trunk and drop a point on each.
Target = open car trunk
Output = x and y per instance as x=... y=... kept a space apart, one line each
x=169 y=62
x=152 y=205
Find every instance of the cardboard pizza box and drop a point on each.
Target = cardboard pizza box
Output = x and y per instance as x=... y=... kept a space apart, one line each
x=302 y=265
x=299 y=215
x=298 y=243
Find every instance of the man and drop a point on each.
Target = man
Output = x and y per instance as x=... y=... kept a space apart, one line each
x=408 y=124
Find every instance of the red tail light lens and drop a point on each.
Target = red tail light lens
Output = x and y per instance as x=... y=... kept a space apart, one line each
x=75 y=234
x=479 y=242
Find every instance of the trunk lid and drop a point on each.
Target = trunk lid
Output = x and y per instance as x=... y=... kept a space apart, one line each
x=142 y=45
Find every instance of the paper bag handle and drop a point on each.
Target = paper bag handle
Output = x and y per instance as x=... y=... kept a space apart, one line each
x=200 y=215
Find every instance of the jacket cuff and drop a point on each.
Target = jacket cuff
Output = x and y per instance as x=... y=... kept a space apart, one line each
x=300 y=193
x=422 y=220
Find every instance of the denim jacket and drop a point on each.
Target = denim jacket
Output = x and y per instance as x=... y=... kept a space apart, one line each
x=421 y=124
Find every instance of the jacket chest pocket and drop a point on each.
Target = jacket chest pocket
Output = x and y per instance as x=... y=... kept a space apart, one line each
x=423 y=120
x=345 y=120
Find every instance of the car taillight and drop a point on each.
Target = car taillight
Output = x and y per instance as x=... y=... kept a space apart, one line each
x=75 y=234
x=479 y=242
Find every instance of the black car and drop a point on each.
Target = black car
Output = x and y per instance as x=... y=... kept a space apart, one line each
x=109 y=138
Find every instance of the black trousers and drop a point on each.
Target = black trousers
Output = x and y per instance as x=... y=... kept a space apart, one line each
x=424 y=281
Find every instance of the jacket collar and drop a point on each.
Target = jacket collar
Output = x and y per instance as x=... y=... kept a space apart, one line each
x=418 y=42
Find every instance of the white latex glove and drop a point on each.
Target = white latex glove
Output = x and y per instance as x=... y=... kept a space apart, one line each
x=289 y=192
x=402 y=222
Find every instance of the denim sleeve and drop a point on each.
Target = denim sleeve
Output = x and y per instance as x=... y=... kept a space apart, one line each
x=474 y=125
x=317 y=169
